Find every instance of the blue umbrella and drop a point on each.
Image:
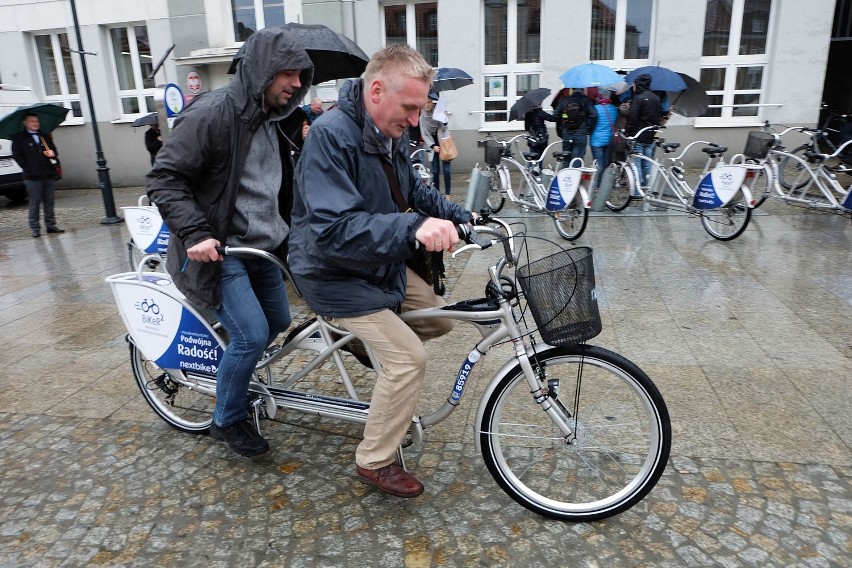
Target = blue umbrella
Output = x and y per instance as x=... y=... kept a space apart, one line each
x=589 y=75
x=450 y=78
x=662 y=78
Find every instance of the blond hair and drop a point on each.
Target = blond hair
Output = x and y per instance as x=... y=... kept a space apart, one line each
x=395 y=62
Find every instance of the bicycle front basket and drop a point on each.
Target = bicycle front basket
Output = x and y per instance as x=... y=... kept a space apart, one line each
x=493 y=150
x=560 y=293
x=758 y=145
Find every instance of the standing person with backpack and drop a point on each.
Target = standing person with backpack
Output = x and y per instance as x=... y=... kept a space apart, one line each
x=645 y=110
x=575 y=118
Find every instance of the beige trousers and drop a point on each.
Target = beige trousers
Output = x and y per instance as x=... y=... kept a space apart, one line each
x=399 y=350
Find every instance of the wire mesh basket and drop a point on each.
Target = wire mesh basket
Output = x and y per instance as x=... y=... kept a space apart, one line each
x=560 y=293
x=758 y=145
x=493 y=151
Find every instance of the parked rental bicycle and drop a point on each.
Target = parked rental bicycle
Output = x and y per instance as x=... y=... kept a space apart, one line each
x=569 y=430
x=721 y=198
x=563 y=195
x=820 y=142
x=811 y=177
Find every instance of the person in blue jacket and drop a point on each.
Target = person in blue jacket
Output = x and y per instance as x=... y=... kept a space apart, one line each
x=350 y=241
x=601 y=136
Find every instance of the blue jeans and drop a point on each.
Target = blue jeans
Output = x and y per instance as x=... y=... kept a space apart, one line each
x=254 y=311
x=436 y=173
x=644 y=165
x=601 y=154
x=575 y=143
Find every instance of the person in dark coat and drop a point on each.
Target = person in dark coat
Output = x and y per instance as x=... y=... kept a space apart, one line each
x=534 y=124
x=350 y=241
x=36 y=154
x=153 y=141
x=645 y=110
x=574 y=139
x=224 y=178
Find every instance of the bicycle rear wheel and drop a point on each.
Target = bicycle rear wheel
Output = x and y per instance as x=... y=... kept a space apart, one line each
x=571 y=221
x=184 y=408
x=497 y=194
x=619 y=197
x=618 y=450
x=727 y=222
x=761 y=187
x=792 y=173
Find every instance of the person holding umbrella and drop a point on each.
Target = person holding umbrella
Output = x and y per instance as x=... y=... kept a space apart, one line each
x=224 y=177
x=645 y=110
x=36 y=154
x=432 y=130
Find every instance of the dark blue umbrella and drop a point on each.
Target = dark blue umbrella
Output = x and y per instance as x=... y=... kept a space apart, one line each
x=528 y=102
x=662 y=78
x=691 y=101
x=450 y=78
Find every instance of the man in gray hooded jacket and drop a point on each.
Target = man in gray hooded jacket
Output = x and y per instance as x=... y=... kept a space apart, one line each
x=224 y=177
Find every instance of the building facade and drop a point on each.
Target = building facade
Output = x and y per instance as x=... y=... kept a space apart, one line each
x=758 y=59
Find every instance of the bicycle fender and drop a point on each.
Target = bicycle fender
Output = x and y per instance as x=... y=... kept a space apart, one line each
x=511 y=367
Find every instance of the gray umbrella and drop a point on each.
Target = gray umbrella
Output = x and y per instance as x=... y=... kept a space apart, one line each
x=147 y=120
x=691 y=101
x=334 y=55
x=528 y=102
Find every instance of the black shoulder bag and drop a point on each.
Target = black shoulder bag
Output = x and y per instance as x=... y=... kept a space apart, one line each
x=421 y=262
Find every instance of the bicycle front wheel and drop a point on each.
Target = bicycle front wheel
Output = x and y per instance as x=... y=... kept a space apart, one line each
x=619 y=196
x=184 y=408
x=792 y=173
x=571 y=221
x=618 y=449
x=727 y=222
x=497 y=194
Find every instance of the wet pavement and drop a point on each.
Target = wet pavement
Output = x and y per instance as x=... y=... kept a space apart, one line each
x=750 y=343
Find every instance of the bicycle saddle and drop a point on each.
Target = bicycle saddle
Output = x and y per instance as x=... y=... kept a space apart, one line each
x=529 y=156
x=669 y=146
x=713 y=151
x=561 y=155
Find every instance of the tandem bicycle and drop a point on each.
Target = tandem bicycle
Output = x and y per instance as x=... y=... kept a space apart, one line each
x=568 y=430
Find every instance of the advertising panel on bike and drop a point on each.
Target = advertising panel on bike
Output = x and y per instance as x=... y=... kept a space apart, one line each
x=162 y=327
x=718 y=187
x=147 y=228
x=563 y=188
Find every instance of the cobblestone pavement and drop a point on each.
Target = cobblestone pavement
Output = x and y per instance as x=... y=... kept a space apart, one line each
x=749 y=342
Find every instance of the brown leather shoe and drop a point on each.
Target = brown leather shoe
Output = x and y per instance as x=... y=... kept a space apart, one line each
x=391 y=479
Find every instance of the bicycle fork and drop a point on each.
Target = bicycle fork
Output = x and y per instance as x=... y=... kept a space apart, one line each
x=546 y=397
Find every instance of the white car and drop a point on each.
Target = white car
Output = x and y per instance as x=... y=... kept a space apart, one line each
x=11 y=176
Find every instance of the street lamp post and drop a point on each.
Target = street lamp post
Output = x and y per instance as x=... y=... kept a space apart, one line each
x=103 y=171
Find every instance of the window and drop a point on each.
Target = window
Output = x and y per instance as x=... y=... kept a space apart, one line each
x=57 y=73
x=734 y=57
x=621 y=31
x=512 y=54
x=133 y=68
x=422 y=36
x=253 y=15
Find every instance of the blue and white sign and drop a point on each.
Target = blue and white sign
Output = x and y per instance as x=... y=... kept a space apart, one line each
x=173 y=98
x=563 y=189
x=147 y=228
x=162 y=327
x=847 y=202
x=718 y=187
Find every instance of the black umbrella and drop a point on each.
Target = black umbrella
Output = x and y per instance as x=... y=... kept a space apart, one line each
x=449 y=79
x=334 y=55
x=692 y=101
x=49 y=117
x=147 y=120
x=528 y=102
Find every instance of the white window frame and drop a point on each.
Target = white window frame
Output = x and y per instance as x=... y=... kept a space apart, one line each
x=292 y=8
x=138 y=79
x=510 y=70
x=410 y=17
x=66 y=97
x=620 y=62
x=731 y=63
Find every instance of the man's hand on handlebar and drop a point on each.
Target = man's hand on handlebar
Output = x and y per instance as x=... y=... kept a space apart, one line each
x=205 y=251
x=437 y=235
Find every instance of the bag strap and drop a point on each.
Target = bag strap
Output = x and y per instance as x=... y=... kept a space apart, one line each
x=396 y=190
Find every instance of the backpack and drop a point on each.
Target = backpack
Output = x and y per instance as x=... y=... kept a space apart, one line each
x=573 y=114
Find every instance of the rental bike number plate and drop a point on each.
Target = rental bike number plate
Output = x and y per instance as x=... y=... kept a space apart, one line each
x=718 y=187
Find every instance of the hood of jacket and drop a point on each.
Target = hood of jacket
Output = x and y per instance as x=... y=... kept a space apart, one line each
x=266 y=53
x=351 y=101
x=642 y=82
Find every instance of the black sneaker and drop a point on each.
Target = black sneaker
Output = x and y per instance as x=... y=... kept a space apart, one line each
x=241 y=437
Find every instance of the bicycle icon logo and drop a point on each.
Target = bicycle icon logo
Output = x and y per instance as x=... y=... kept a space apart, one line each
x=144 y=222
x=149 y=306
